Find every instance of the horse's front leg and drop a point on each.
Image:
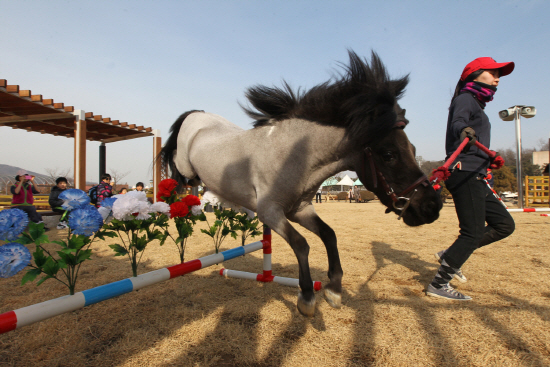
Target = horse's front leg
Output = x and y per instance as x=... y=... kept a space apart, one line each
x=274 y=217
x=308 y=218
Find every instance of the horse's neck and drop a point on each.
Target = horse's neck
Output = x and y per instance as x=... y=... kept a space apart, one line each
x=328 y=150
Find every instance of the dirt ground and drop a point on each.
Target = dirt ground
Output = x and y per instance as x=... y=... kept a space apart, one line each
x=202 y=319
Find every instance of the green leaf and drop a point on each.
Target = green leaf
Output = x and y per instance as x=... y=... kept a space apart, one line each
x=234 y=235
x=77 y=242
x=43 y=280
x=50 y=267
x=61 y=243
x=36 y=230
x=39 y=257
x=120 y=251
x=68 y=259
x=30 y=276
x=25 y=239
x=84 y=255
x=141 y=243
x=42 y=239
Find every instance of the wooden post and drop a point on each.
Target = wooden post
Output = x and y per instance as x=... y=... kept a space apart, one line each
x=79 y=150
x=157 y=146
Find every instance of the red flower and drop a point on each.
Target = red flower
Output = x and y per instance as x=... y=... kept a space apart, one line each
x=178 y=209
x=168 y=185
x=191 y=200
x=161 y=194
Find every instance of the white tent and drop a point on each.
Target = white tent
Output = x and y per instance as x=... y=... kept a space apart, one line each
x=346 y=181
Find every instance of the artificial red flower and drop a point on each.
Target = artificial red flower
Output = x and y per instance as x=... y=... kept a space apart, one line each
x=178 y=209
x=163 y=193
x=191 y=200
x=168 y=185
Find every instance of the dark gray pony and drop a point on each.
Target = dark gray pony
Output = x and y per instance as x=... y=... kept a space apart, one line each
x=298 y=140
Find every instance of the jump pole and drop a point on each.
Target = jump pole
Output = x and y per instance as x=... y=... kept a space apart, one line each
x=530 y=210
x=16 y=319
x=267 y=275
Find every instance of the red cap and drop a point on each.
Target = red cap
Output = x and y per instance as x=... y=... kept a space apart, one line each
x=487 y=63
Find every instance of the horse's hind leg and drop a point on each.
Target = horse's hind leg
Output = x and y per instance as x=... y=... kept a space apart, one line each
x=274 y=217
x=308 y=218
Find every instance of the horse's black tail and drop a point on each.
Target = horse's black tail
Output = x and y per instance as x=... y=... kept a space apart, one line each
x=166 y=155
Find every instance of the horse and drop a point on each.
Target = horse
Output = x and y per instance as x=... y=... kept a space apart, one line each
x=300 y=138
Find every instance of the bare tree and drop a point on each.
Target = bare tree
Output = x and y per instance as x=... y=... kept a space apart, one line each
x=116 y=176
x=56 y=172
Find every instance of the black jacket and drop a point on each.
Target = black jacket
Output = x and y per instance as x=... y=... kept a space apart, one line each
x=466 y=111
x=54 y=200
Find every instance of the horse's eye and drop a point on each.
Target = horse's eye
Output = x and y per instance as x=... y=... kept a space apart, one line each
x=387 y=156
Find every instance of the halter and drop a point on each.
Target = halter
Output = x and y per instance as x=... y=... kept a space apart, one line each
x=399 y=197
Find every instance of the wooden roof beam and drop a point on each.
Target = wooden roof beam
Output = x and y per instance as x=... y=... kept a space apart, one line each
x=128 y=137
x=38 y=117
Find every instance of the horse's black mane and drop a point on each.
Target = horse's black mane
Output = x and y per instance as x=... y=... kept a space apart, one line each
x=361 y=100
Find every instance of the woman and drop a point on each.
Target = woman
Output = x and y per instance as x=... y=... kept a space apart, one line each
x=474 y=202
x=23 y=195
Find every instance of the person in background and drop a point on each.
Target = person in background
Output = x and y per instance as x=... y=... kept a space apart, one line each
x=104 y=189
x=123 y=191
x=23 y=195
x=356 y=194
x=318 y=195
x=139 y=186
x=55 y=202
x=474 y=201
x=350 y=194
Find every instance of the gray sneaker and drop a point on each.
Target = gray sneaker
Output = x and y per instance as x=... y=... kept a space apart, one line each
x=62 y=225
x=459 y=275
x=447 y=292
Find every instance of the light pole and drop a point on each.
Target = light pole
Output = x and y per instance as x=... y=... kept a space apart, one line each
x=514 y=113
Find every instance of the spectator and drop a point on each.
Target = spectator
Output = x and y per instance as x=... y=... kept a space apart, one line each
x=356 y=194
x=139 y=186
x=318 y=198
x=104 y=189
x=55 y=202
x=123 y=191
x=23 y=197
x=350 y=194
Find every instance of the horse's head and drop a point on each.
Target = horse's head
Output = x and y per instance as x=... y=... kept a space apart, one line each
x=388 y=168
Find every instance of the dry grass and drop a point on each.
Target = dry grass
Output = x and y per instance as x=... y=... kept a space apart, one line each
x=202 y=319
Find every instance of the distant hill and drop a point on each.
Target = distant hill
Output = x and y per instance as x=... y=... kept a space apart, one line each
x=11 y=172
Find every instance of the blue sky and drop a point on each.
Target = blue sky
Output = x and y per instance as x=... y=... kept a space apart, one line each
x=147 y=62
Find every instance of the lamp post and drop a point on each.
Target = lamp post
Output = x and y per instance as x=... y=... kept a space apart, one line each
x=514 y=113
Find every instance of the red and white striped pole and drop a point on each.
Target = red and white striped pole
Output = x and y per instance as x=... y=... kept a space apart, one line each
x=530 y=210
x=267 y=275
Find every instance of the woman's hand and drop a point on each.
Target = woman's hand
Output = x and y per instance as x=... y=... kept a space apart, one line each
x=468 y=133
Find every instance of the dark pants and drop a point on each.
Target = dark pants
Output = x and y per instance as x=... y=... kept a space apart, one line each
x=475 y=204
x=34 y=216
x=318 y=198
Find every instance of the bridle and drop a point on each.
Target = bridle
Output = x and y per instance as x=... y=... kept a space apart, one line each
x=400 y=200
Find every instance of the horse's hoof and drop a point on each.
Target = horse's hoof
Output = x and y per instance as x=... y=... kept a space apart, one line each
x=333 y=299
x=306 y=308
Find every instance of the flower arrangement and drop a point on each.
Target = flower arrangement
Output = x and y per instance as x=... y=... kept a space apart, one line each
x=248 y=226
x=85 y=224
x=136 y=223
x=12 y=223
x=185 y=212
x=230 y=220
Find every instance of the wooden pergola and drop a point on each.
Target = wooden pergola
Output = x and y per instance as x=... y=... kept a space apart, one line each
x=20 y=109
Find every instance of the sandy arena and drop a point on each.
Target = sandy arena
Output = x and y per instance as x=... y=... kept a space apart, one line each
x=202 y=319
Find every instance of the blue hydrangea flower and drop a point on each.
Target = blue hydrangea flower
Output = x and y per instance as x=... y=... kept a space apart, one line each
x=13 y=258
x=74 y=199
x=12 y=223
x=108 y=202
x=85 y=221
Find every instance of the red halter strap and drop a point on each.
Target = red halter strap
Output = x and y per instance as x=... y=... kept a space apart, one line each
x=396 y=198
